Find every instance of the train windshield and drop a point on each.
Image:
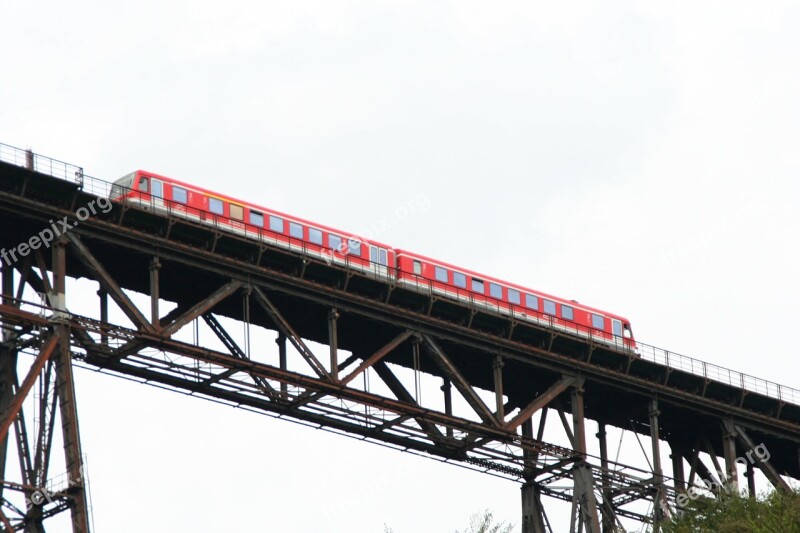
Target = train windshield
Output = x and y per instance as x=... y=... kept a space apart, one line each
x=627 y=331
x=122 y=185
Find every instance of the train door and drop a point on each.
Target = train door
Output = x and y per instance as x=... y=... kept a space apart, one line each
x=617 y=329
x=157 y=192
x=154 y=191
x=378 y=257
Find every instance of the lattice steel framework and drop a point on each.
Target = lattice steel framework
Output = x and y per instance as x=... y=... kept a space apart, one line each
x=511 y=375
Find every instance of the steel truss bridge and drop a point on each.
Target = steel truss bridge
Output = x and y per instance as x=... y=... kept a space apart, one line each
x=512 y=374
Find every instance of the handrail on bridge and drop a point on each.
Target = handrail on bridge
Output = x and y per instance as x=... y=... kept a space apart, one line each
x=65 y=171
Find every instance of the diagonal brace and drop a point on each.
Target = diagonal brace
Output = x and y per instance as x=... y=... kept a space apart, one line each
x=540 y=401
x=287 y=330
x=33 y=374
x=108 y=284
x=202 y=306
x=765 y=466
x=377 y=356
x=450 y=370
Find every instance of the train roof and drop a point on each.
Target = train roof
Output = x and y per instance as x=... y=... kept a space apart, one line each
x=521 y=288
x=215 y=194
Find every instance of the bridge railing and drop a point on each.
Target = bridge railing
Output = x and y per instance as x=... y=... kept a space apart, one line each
x=683 y=363
x=42 y=164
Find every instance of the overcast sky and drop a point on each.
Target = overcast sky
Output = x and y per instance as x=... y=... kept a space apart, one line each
x=640 y=157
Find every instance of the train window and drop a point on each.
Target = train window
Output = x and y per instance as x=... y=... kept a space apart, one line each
x=275 y=224
x=216 y=206
x=626 y=332
x=617 y=328
x=158 y=189
x=335 y=243
x=179 y=194
x=549 y=307
x=531 y=302
x=373 y=254
x=477 y=285
x=598 y=322
x=417 y=268
x=354 y=247
x=237 y=212
x=459 y=280
x=384 y=259
x=256 y=219
x=295 y=230
x=144 y=184
x=513 y=296
x=567 y=312
x=495 y=291
x=315 y=236
x=122 y=186
x=441 y=274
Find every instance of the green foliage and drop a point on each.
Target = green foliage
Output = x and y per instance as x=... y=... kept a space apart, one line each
x=484 y=523
x=775 y=512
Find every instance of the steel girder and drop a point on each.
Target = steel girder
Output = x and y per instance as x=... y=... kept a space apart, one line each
x=602 y=491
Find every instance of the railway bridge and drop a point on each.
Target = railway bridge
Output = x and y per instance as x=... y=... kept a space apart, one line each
x=501 y=379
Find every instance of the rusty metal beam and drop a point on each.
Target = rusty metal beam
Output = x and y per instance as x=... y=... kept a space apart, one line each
x=397 y=388
x=497 y=368
x=540 y=401
x=155 y=295
x=19 y=398
x=377 y=356
x=608 y=515
x=65 y=387
x=660 y=506
x=585 y=501
x=65 y=390
x=729 y=453
x=463 y=386
x=333 y=343
x=201 y=307
x=294 y=338
x=8 y=364
x=764 y=465
x=234 y=348
x=108 y=283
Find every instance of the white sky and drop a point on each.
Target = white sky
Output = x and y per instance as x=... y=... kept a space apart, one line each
x=641 y=157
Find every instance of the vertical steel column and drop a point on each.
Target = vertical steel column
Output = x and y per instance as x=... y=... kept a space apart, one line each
x=103 y=314
x=677 y=469
x=582 y=471
x=333 y=342
x=65 y=387
x=155 y=296
x=751 y=479
x=608 y=517
x=528 y=457
x=281 y=342
x=729 y=452
x=532 y=510
x=660 y=508
x=497 y=366
x=448 y=403
x=8 y=367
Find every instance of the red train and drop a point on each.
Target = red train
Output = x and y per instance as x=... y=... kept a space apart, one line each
x=411 y=270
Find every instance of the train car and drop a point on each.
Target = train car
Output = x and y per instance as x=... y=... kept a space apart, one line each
x=159 y=193
x=430 y=275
